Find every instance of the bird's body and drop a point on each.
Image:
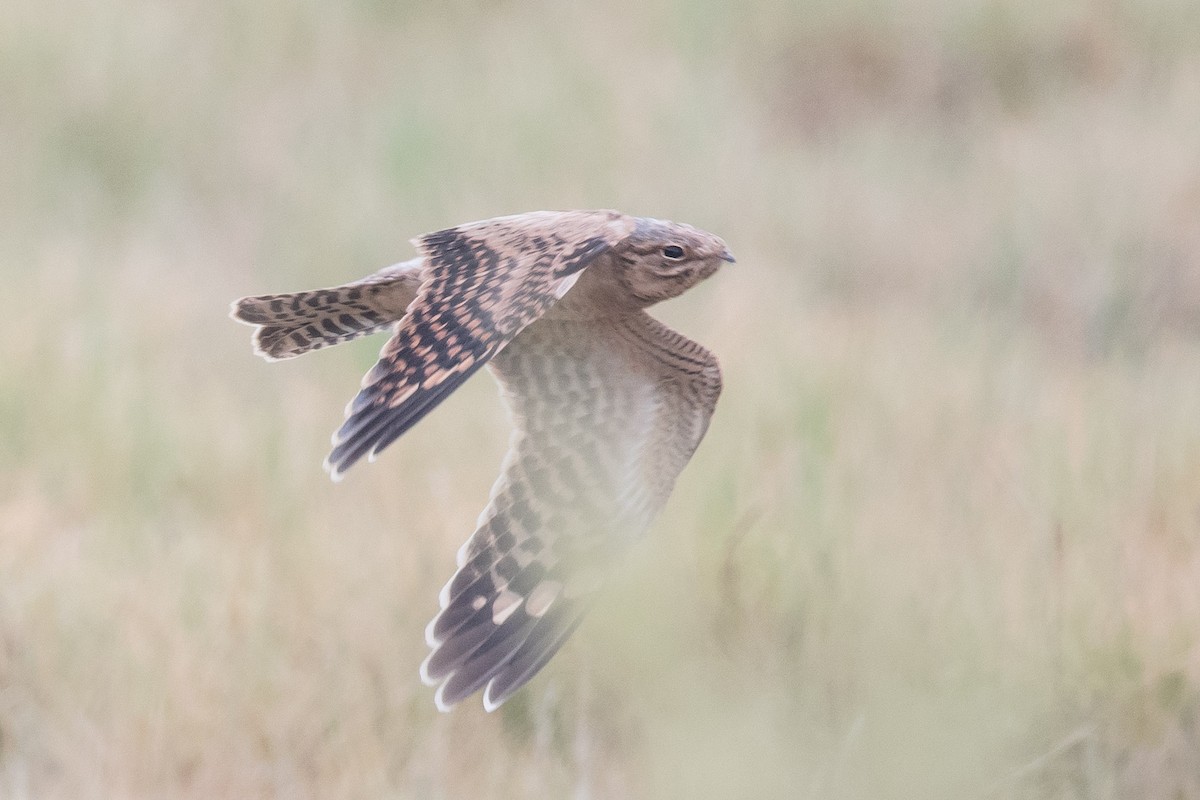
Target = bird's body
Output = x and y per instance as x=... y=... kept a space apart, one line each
x=607 y=403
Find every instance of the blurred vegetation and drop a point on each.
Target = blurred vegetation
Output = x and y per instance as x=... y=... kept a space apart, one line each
x=941 y=541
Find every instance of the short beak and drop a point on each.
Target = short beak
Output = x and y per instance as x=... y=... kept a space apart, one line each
x=727 y=256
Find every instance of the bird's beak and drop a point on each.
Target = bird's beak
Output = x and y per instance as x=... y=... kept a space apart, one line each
x=727 y=256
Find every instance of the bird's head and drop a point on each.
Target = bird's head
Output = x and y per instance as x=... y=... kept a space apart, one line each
x=662 y=259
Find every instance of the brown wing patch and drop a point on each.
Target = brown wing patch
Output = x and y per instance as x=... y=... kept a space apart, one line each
x=484 y=283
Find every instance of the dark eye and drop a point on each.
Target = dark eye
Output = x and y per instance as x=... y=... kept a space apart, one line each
x=673 y=252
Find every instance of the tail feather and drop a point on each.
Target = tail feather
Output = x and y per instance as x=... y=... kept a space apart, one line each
x=277 y=342
x=289 y=325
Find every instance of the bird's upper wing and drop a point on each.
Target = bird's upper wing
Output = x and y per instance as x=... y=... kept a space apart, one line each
x=606 y=414
x=484 y=282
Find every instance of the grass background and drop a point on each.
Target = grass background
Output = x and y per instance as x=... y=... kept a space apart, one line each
x=942 y=538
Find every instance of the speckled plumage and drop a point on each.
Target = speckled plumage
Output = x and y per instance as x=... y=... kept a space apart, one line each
x=607 y=403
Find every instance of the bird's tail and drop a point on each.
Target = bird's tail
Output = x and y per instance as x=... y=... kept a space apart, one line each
x=288 y=325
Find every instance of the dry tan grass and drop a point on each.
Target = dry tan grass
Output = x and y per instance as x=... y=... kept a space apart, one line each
x=942 y=540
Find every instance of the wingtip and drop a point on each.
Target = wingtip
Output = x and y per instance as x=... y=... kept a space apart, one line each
x=336 y=474
x=442 y=706
x=444 y=596
x=490 y=705
x=426 y=678
x=430 y=638
x=439 y=699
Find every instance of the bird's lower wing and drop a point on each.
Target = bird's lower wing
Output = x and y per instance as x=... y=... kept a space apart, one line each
x=607 y=414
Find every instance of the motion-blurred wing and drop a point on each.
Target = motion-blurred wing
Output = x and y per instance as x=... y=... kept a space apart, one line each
x=484 y=282
x=606 y=415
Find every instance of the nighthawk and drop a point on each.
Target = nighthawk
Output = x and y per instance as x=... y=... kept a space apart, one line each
x=607 y=404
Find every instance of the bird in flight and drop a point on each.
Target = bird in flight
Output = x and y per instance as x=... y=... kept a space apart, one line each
x=607 y=405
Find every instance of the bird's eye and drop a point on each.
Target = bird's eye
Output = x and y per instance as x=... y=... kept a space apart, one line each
x=673 y=252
